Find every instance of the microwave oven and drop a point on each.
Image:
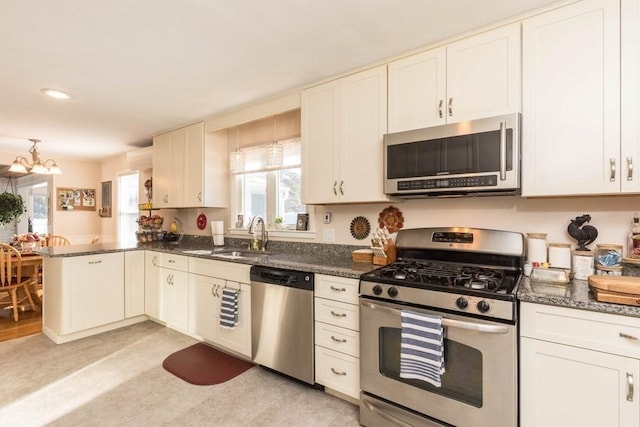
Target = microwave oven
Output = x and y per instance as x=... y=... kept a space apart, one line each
x=476 y=157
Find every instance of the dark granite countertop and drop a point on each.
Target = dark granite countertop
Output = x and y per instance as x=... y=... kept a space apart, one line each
x=315 y=259
x=335 y=260
x=572 y=295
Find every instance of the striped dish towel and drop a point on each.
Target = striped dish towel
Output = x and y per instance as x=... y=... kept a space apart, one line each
x=421 y=347
x=229 y=308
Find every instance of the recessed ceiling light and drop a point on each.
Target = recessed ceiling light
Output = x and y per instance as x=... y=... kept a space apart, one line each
x=58 y=94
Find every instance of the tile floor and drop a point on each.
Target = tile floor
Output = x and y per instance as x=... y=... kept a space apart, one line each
x=117 y=379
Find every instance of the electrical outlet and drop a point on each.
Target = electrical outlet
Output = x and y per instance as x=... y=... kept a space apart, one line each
x=329 y=235
x=327 y=218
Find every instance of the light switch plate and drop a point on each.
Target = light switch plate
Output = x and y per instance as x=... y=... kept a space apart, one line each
x=327 y=218
x=329 y=235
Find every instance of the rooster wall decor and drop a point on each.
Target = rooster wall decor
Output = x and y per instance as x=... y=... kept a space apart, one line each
x=584 y=234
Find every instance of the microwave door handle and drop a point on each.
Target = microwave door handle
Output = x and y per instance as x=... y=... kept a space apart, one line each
x=503 y=151
x=460 y=324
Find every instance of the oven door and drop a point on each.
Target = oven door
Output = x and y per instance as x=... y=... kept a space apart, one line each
x=479 y=386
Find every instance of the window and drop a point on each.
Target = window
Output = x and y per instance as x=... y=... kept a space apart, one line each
x=127 y=207
x=269 y=193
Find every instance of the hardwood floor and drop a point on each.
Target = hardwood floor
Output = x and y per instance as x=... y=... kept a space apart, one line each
x=29 y=323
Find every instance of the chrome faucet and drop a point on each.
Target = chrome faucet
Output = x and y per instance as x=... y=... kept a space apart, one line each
x=262 y=242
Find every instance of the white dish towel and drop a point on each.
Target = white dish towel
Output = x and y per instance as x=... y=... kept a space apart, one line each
x=421 y=347
x=229 y=308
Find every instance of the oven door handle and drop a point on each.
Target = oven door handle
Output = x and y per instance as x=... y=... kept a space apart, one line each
x=381 y=413
x=460 y=324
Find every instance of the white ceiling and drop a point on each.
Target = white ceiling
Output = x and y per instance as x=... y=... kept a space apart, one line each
x=136 y=68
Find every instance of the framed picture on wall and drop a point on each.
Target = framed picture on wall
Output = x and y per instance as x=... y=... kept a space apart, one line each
x=302 y=224
x=81 y=199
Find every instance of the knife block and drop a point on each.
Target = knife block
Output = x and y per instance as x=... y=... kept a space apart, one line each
x=389 y=252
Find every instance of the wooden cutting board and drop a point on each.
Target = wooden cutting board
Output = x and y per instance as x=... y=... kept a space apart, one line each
x=620 y=284
x=616 y=297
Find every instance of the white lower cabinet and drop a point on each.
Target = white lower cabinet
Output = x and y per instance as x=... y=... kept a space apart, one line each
x=207 y=279
x=337 y=336
x=578 y=368
x=167 y=289
x=83 y=292
x=134 y=269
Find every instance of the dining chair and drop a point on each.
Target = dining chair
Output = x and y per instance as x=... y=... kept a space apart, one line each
x=11 y=279
x=56 y=240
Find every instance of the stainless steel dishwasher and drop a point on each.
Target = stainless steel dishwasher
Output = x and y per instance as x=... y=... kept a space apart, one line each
x=282 y=321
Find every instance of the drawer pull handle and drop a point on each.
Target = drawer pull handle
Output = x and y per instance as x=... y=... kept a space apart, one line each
x=344 y=373
x=334 y=289
x=629 y=387
x=334 y=314
x=627 y=336
x=338 y=339
x=171 y=261
x=95 y=262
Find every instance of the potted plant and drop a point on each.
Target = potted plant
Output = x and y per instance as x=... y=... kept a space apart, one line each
x=11 y=207
x=278 y=222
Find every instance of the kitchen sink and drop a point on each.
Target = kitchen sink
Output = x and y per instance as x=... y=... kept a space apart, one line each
x=242 y=254
x=198 y=252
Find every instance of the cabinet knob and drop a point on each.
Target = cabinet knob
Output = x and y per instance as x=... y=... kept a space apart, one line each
x=341 y=192
x=440 y=104
x=629 y=387
x=629 y=169
x=335 y=184
x=451 y=107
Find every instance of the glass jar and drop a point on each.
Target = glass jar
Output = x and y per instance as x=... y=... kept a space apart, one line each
x=537 y=248
x=608 y=255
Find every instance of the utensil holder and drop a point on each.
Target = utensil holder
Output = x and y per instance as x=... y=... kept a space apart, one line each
x=384 y=255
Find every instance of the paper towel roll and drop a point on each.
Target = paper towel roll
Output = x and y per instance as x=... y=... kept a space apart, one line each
x=218 y=239
x=217 y=227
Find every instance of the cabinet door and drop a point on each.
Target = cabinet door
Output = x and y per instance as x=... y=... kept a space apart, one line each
x=151 y=285
x=194 y=165
x=238 y=339
x=204 y=307
x=134 y=268
x=417 y=91
x=161 y=168
x=363 y=123
x=174 y=298
x=571 y=100
x=630 y=97
x=568 y=386
x=483 y=75
x=320 y=144
x=93 y=291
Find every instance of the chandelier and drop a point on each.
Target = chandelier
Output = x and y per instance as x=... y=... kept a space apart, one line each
x=23 y=165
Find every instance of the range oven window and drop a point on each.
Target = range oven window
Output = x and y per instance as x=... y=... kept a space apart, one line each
x=462 y=379
x=476 y=153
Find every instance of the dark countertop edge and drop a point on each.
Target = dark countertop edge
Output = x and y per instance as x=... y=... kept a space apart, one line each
x=333 y=266
x=576 y=294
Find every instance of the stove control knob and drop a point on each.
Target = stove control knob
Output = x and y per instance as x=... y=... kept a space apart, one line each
x=462 y=303
x=393 y=292
x=483 y=306
x=377 y=290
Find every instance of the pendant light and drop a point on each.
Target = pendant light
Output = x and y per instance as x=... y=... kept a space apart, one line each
x=236 y=158
x=274 y=150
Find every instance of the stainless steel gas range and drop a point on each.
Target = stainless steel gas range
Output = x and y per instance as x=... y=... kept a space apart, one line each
x=466 y=279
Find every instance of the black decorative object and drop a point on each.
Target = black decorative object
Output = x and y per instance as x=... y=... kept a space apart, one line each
x=584 y=234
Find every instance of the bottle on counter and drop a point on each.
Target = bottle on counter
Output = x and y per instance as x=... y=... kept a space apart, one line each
x=634 y=237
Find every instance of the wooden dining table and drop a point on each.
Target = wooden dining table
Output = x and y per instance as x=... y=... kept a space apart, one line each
x=32 y=265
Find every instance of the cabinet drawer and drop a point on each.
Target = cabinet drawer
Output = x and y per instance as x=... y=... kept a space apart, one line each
x=175 y=262
x=597 y=331
x=337 y=313
x=337 y=288
x=338 y=371
x=339 y=339
x=224 y=270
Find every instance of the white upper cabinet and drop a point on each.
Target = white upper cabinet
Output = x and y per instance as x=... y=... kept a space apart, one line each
x=472 y=78
x=630 y=97
x=343 y=122
x=189 y=169
x=571 y=101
